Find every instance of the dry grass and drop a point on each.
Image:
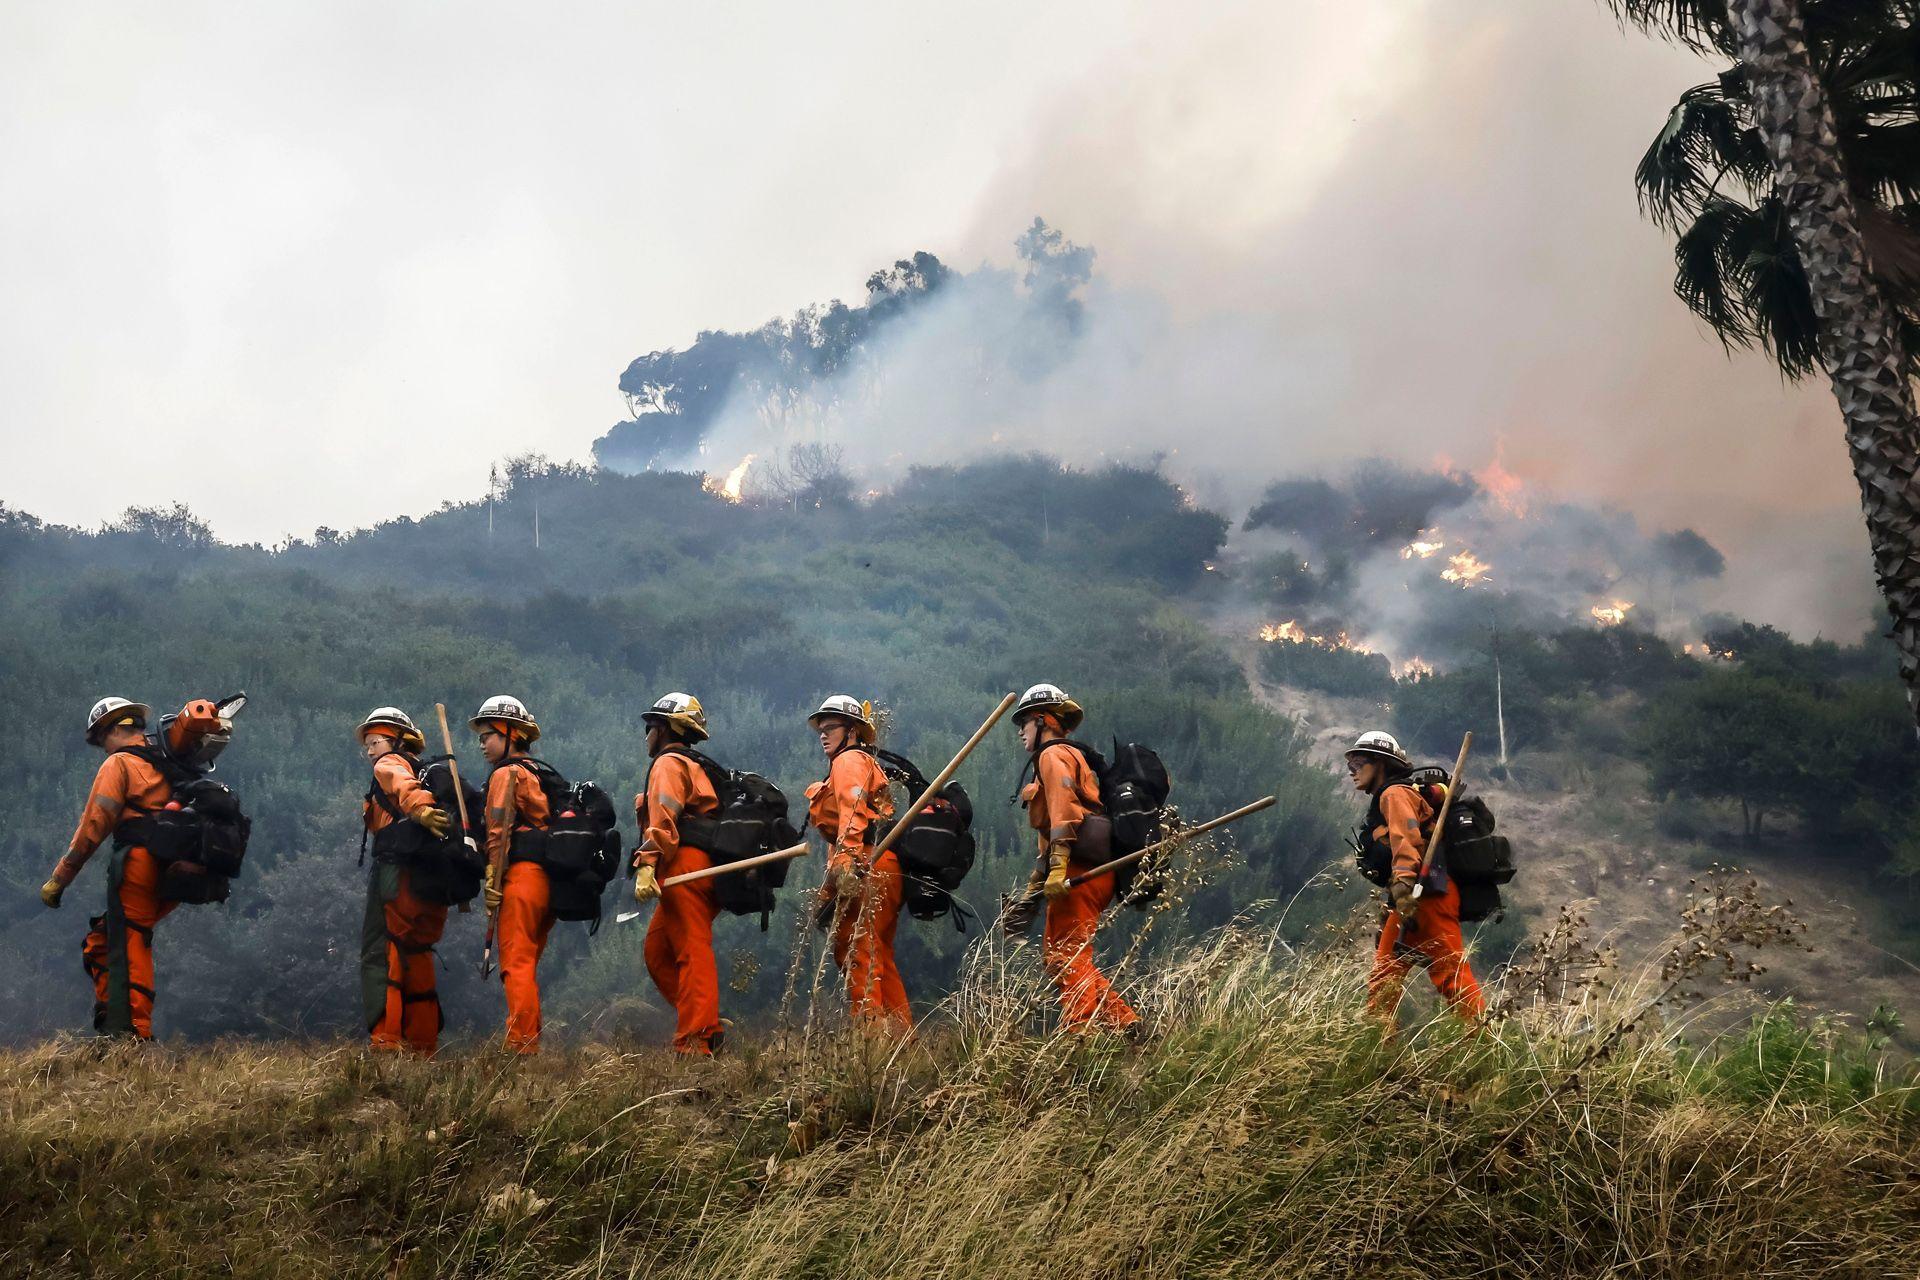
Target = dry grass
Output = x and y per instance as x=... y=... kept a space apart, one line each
x=1266 y=1130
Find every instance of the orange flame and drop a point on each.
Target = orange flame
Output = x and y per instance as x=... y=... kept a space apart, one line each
x=1466 y=569
x=1291 y=632
x=1611 y=615
x=1413 y=669
x=1505 y=488
x=1419 y=550
x=730 y=487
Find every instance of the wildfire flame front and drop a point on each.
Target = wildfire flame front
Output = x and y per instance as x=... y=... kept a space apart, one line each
x=1611 y=615
x=730 y=487
x=1466 y=569
x=1291 y=632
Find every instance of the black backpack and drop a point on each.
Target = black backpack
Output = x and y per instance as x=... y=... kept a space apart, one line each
x=1133 y=797
x=937 y=849
x=445 y=871
x=1473 y=856
x=751 y=820
x=579 y=850
x=201 y=843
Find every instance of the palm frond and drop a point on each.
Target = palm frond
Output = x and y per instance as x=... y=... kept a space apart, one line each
x=1705 y=256
x=1883 y=162
x=1708 y=136
x=1773 y=284
x=1893 y=252
x=1696 y=24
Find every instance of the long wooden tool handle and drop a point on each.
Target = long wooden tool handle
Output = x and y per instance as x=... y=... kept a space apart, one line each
x=1440 y=823
x=1264 y=802
x=941 y=779
x=453 y=766
x=459 y=792
x=759 y=860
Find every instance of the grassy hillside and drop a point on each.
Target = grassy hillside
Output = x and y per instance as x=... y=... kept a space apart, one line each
x=1265 y=1130
x=933 y=599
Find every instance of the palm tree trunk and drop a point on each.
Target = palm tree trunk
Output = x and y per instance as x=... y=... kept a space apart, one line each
x=1858 y=337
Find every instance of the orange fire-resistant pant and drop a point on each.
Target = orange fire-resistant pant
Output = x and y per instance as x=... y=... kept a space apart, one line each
x=397 y=981
x=525 y=922
x=863 y=947
x=1086 y=997
x=118 y=951
x=679 y=954
x=1433 y=940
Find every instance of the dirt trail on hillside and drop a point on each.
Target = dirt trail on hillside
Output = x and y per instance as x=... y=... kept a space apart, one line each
x=1605 y=853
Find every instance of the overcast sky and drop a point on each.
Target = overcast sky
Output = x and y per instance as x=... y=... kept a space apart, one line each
x=320 y=264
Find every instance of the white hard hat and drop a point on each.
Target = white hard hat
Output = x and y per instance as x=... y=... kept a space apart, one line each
x=501 y=709
x=396 y=719
x=846 y=707
x=1049 y=697
x=111 y=708
x=1385 y=745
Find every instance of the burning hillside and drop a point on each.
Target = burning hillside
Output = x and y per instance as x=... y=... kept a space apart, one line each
x=1399 y=562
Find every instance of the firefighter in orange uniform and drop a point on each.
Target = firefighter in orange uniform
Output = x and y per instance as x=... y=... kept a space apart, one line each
x=118 y=952
x=850 y=807
x=1063 y=795
x=398 y=993
x=679 y=945
x=516 y=806
x=1423 y=930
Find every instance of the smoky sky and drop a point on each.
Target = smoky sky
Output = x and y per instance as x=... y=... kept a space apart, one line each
x=301 y=265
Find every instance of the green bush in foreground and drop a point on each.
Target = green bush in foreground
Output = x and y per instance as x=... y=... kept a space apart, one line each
x=1267 y=1129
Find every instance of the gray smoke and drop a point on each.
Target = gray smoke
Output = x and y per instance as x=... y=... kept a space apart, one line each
x=1437 y=259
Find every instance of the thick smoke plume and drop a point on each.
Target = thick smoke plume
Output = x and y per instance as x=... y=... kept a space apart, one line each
x=1433 y=253
x=1415 y=556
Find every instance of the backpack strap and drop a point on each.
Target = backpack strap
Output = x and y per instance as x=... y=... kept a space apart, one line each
x=171 y=771
x=711 y=767
x=552 y=782
x=909 y=771
x=707 y=765
x=1032 y=767
x=377 y=794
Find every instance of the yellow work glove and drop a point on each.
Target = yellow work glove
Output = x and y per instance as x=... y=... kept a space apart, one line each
x=50 y=892
x=1055 y=885
x=1404 y=903
x=435 y=821
x=493 y=888
x=646 y=885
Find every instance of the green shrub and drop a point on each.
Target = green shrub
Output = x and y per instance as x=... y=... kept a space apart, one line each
x=1345 y=672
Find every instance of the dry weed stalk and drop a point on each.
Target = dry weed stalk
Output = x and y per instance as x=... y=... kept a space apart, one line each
x=1724 y=918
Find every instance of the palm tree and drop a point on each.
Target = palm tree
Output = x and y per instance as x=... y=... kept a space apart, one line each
x=1708 y=176
x=1821 y=133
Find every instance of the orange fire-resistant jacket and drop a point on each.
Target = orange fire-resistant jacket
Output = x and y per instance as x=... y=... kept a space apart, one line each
x=676 y=784
x=846 y=805
x=393 y=776
x=1406 y=816
x=515 y=802
x=123 y=778
x=1063 y=792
